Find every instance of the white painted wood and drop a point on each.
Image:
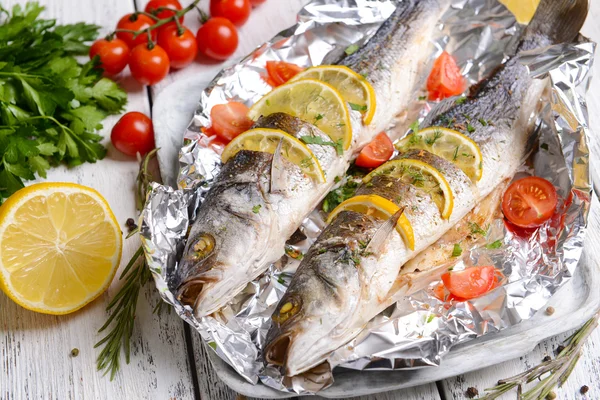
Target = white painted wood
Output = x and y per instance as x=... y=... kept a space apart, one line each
x=35 y=361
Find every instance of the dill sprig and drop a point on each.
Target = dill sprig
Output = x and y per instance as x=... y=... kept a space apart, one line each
x=123 y=306
x=557 y=371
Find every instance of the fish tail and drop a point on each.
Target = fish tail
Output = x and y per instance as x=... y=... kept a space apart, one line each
x=560 y=20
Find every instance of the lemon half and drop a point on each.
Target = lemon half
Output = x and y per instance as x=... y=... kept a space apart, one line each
x=60 y=246
x=522 y=9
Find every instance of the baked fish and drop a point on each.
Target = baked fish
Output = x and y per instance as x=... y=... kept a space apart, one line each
x=352 y=272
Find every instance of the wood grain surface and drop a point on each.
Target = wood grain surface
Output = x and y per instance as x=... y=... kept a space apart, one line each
x=35 y=360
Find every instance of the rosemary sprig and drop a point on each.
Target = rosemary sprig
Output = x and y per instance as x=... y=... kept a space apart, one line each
x=123 y=306
x=557 y=370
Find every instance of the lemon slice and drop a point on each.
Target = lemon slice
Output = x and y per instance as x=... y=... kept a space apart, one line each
x=355 y=89
x=378 y=207
x=312 y=101
x=60 y=246
x=266 y=140
x=449 y=144
x=423 y=176
x=522 y=9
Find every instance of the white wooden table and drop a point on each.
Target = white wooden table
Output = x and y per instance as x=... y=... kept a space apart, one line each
x=168 y=361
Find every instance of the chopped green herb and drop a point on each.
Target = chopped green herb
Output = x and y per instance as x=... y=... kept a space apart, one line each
x=457 y=250
x=414 y=126
x=483 y=122
x=322 y=250
x=339 y=195
x=338 y=146
x=293 y=253
x=256 y=208
x=337 y=179
x=357 y=107
x=455 y=153
x=319 y=117
x=414 y=139
x=470 y=128
x=281 y=280
x=307 y=162
x=351 y=49
x=364 y=75
x=212 y=345
x=422 y=98
x=494 y=245
x=460 y=100
x=340 y=124
x=362 y=244
x=436 y=135
x=544 y=146
x=268 y=102
x=476 y=229
x=430 y=318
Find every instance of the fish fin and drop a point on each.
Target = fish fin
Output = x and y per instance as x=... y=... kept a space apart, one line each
x=278 y=181
x=383 y=232
x=560 y=20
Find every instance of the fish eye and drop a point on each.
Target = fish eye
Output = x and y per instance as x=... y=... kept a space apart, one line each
x=203 y=247
x=289 y=308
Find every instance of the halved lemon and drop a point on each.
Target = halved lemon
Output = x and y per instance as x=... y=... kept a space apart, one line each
x=267 y=140
x=423 y=176
x=312 y=101
x=355 y=89
x=378 y=207
x=522 y=9
x=60 y=246
x=449 y=144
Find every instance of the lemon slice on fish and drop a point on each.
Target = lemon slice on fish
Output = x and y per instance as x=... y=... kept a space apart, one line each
x=312 y=101
x=355 y=89
x=60 y=246
x=266 y=140
x=522 y=9
x=378 y=207
x=422 y=176
x=449 y=144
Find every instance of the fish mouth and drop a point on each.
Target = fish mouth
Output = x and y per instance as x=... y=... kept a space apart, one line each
x=189 y=292
x=277 y=351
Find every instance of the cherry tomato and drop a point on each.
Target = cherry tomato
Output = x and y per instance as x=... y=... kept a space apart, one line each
x=445 y=79
x=280 y=71
x=148 y=66
x=135 y=22
x=181 y=49
x=376 y=153
x=237 y=11
x=114 y=54
x=217 y=38
x=133 y=133
x=230 y=119
x=154 y=5
x=256 y=2
x=529 y=202
x=471 y=282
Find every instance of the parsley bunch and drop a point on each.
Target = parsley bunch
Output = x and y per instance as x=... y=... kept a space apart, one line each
x=50 y=105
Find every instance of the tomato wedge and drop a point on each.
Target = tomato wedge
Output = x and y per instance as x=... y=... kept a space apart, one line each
x=529 y=202
x=471 y=282
x=280 y=72
x=229 y=120
x=376 y=153
x=445 y=79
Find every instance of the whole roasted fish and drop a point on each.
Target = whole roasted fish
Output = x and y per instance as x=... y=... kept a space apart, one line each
x=352 y=272
x=259 y=200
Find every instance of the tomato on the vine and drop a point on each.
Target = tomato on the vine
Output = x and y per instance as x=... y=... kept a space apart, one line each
x=445 y=79
x=133 y=133
x=135 y=22
x=470 y=283
x=529 y=202
x=229 y=120
x=280 y=72
x=217 y=38
x=376 y=153
x=148 y=64
x=237 y=11
x=113 y=54
x=181 y=48
x=154 y=5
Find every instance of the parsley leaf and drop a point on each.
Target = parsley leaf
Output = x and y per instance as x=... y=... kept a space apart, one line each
x=358 y=107
x=351 y=49
x=256 y=208
x=494 y=245
x=338 y=145
x=457 y=250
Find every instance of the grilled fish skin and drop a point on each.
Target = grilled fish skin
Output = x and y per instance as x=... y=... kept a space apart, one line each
x=338 y=287
x=249 y=213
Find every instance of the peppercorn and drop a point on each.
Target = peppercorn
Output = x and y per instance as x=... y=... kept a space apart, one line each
x=584 y=389
x=472 y=392
x=550 y=310
x=75 y=352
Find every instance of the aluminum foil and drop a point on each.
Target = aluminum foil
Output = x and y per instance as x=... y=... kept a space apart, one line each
x=419 y=329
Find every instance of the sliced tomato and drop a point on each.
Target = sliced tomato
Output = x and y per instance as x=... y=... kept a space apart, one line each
x=445 y=79
x=280 y=71
x=471 y=282
x=376 y=153
x=229 y=120
x=529 y=202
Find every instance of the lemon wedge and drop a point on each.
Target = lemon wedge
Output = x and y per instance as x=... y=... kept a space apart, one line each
x=355 y=89
x=522 y=9
x=266 y=140
x=60 y=246
x=449 y=144
x=312 y=101
x=380 y=208
x=423 y=176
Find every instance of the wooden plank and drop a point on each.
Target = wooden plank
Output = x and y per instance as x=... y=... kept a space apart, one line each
x=35 y=361
x=587 y=371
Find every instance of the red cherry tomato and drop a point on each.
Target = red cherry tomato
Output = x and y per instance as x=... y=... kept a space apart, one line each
x=148 y=66
x=135 y=22
x=230 y=119
x=280 y=71
x=376 y=153
x=471 y=282
x=181 y=49
x=529 y=202
x=154 y=5
x=114 y=54
x=133 y=133
x=237 y=11
x=256 y=2
x=445 y=79
x=217 y=38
